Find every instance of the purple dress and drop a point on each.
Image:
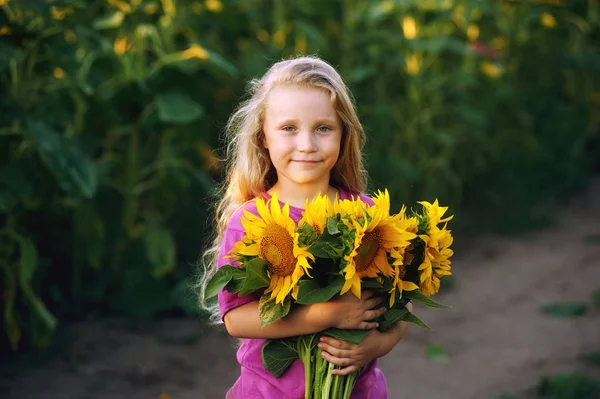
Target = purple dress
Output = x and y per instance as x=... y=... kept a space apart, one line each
x=257 y=383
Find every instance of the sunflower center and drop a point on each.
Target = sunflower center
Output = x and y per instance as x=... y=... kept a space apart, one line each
x=277 y=248
x=367 y=250
x=401 y=272
x=317 y=229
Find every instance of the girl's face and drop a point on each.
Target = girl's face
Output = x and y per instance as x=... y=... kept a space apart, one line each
x=302 y=132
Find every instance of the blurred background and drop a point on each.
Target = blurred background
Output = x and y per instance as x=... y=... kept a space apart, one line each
x=111 y=114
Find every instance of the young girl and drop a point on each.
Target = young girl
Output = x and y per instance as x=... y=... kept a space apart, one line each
x=297 y=136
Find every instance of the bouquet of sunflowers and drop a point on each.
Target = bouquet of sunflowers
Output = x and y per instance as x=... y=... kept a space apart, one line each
x=337 y=246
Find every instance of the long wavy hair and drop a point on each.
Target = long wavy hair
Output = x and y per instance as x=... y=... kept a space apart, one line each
x=249 y=171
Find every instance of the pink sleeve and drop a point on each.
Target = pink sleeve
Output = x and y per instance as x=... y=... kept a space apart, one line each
x=366 y=199
x=227 y=300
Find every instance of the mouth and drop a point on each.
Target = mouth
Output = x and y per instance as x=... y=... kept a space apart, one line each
x=305 y=161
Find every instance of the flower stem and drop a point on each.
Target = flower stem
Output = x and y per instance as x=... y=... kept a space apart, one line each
x=305 y=350
x=349 y=385
x=327 y=382
x=338 y=382
x=320 y=370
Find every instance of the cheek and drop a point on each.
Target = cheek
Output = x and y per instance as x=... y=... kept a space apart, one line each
x=335 y=147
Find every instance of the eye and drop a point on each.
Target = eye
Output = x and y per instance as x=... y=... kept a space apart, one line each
x=288 y=128
x=323 y=129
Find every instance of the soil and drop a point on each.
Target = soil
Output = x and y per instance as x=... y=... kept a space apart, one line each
x=495 y=336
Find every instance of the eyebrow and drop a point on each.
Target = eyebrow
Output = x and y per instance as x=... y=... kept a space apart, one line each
x=318 y=121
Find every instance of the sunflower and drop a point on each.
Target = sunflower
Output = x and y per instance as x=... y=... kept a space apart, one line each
x=273 y=238
x=316 y=213
x=377 y=233
x=401 y=257
x=437 y=252
x=434 y=213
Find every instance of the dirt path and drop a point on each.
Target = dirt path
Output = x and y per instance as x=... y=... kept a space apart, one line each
x=495 y=335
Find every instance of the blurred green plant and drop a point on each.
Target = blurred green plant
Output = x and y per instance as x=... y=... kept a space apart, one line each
x=106 y=149
x=110 y=111
x=565 y=309
x=577 y=385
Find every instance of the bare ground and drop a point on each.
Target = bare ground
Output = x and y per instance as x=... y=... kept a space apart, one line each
x=495 y=335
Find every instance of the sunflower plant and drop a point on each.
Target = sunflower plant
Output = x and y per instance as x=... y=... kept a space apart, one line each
x=337 y=247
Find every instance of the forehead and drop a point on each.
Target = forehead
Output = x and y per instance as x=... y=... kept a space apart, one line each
x=290 y=101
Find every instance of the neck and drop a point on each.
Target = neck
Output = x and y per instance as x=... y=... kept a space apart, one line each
x=296 y=194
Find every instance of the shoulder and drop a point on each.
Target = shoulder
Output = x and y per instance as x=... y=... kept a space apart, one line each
x=344 y=194
x=366 y=199
x=235 y=221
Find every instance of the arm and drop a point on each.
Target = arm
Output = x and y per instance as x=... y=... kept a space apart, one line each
x=344 y=311
x=352 y=357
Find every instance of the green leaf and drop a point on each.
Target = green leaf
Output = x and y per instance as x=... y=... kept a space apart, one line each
x=269 y=311
x=74 y=170
x=160 y=249
x=392 y=316
x=437 y=353
x=416 y=295
x=237 y=281
x=307 y=234
x=219 y=280
x=309 y=291
x=327 y=246
x=411 y=318
x=278 y=355
x=256 y=276
x=178 y=108
x=565 y=309
x=352 y=336
x=332 y=227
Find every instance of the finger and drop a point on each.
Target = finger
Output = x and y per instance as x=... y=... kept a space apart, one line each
x=345 y=370
x=375 y=313
x=373 y=301
x=368 y=325
x=337 y=343
x=342 y=362
x=340 y=353
x=366 y=294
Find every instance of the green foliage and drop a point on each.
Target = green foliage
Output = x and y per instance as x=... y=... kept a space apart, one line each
x=437 y=353
x=416 y=295
x=111 y=111
x=278 y=356
x=565 y=309
x=569 y=386
x=270 y=311
x=256 y=277
x=309 y=290
x=221 y=278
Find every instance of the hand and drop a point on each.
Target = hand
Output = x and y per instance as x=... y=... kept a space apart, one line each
x=349 y=312
x=351 y=357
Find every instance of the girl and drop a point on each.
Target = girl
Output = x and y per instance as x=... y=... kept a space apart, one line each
x=297 y=136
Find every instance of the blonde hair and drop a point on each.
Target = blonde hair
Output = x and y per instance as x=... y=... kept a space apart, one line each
x=249 y=171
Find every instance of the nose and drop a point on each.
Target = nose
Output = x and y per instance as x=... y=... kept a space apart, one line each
x=306 y=141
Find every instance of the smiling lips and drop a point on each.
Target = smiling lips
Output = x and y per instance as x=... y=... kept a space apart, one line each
x=304 y=161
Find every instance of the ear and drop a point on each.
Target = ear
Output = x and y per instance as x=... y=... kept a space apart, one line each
x=263 y=141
